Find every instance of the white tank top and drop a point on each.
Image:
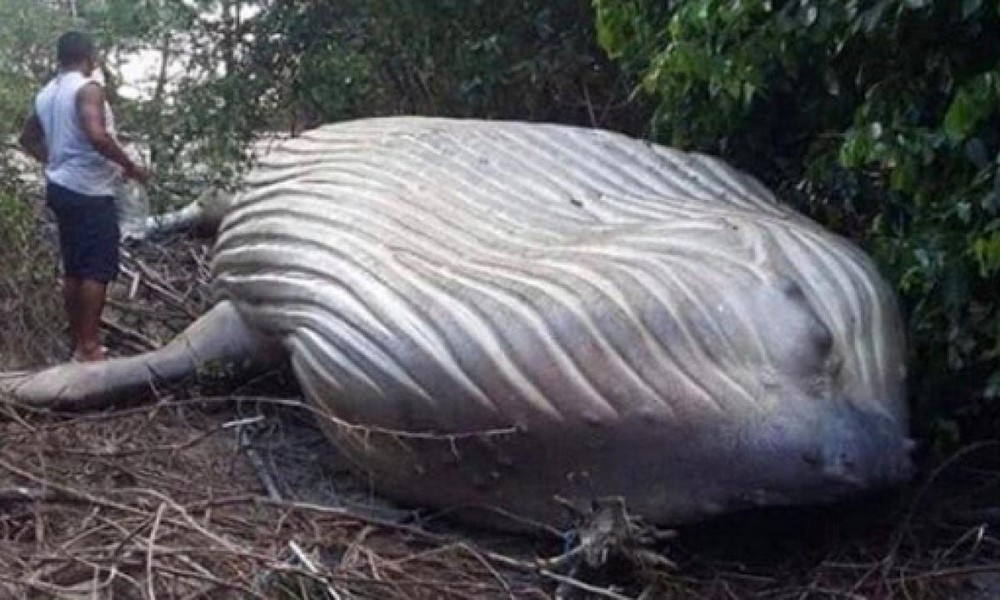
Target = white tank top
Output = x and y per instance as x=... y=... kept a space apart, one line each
x=73 y=162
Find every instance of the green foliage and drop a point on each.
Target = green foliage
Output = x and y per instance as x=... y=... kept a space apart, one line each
x=878 y=117
x=526 y=59
x=27 y=302
x=28 y=33
x=198 y=120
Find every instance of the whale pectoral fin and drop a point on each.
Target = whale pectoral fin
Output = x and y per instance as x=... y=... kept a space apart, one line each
x=220 y=337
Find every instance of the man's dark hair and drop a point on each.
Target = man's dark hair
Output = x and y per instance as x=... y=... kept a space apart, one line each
x=73 y=48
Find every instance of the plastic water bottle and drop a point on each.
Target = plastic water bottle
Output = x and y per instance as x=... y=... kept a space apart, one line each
x=133 y=209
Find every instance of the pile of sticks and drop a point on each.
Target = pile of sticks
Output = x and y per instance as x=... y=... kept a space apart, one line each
x=164 y=502
x=163 y=287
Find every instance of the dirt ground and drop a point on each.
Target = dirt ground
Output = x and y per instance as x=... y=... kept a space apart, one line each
x=221 y=490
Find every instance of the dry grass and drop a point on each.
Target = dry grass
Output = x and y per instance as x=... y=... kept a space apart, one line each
x=165 y=501
x=234 y=497
x=162 y=503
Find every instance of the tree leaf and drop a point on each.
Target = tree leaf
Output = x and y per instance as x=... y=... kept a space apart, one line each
x=960 y=117
x=811 y=14
x=977 y=153
x=970 y=7
x=869 y=20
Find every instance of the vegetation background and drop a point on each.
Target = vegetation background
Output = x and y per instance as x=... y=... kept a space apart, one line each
x=878 y=118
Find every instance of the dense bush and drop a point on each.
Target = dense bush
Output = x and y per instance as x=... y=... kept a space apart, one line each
x=29 y=298
x=525 y=59
x=878 y=117
x=30 y=302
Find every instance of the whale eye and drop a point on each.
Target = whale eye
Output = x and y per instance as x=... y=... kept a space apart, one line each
x=790 y=287
x=822 y=337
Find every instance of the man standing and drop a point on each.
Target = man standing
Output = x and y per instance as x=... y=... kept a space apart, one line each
x=69 y=131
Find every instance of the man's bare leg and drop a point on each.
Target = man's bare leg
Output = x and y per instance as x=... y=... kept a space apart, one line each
x=91 y=305
x=71 y=303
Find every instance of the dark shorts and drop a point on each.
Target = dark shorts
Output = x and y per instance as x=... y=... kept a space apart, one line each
x=88 y=233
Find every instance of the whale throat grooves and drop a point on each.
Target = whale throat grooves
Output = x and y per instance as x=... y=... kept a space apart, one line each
x=494 y=313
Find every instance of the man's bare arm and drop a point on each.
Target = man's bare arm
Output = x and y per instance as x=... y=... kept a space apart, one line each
x=32 y=139
x=90 y=103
